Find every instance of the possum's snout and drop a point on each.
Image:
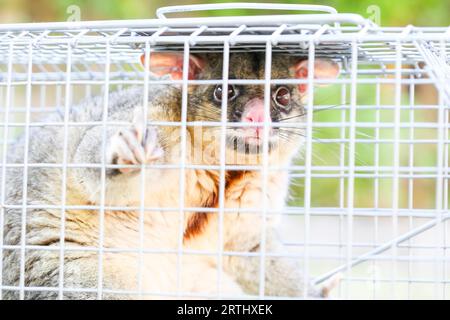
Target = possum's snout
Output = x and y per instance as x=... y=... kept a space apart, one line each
x=254 y=113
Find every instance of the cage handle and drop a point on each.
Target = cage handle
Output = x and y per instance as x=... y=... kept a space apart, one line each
x=161 y=12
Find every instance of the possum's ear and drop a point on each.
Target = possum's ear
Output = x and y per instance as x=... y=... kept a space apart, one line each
x=323 y=69
x=171 y=63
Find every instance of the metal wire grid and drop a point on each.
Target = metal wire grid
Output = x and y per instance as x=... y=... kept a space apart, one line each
x=93 y=57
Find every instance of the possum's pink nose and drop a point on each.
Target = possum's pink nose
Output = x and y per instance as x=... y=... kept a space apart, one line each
x=254 y=113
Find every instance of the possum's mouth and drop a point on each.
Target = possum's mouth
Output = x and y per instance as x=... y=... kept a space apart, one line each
x=244 y=143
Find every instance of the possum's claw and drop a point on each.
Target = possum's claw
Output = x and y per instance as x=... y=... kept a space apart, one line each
x=330 y=284
x=135 y=145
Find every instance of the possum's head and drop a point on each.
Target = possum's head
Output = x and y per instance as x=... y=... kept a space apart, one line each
x=245 y=102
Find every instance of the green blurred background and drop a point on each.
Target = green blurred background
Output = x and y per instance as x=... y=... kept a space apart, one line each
x=393 y=12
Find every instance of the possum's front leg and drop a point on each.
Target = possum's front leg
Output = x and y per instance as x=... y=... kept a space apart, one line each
x=133 y=145
x=283 y=276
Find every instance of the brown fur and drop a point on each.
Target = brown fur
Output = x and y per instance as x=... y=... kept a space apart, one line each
x=198 y=220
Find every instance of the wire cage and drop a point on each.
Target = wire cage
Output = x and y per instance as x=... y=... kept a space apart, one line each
x=368 y=197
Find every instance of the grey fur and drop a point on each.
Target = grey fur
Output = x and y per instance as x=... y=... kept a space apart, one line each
x=44 y=187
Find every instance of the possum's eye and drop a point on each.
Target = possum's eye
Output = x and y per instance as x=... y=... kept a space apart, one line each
x=282 y=98
x=232 y=93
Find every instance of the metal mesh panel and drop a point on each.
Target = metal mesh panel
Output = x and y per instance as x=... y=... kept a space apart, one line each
x=369 y=196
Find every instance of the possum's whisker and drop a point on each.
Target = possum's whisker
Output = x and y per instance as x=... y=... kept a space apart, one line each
x=365 y=134
x=291 y=135
x=331 y=107
x=320 y=159
x=304 y=113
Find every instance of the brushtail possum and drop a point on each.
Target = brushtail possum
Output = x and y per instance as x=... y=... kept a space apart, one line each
x=140 y=252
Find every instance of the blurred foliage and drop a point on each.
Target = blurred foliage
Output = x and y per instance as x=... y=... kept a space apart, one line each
x=393 y=13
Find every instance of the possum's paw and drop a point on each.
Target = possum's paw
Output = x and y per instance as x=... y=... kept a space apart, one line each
x=135 y=145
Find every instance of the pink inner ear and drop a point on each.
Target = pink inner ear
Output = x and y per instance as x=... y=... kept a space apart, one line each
x=301 y=72
x=162 y=63
x=323 y=69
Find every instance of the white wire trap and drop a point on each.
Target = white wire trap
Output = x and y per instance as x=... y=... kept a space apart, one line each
x=369 y=197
